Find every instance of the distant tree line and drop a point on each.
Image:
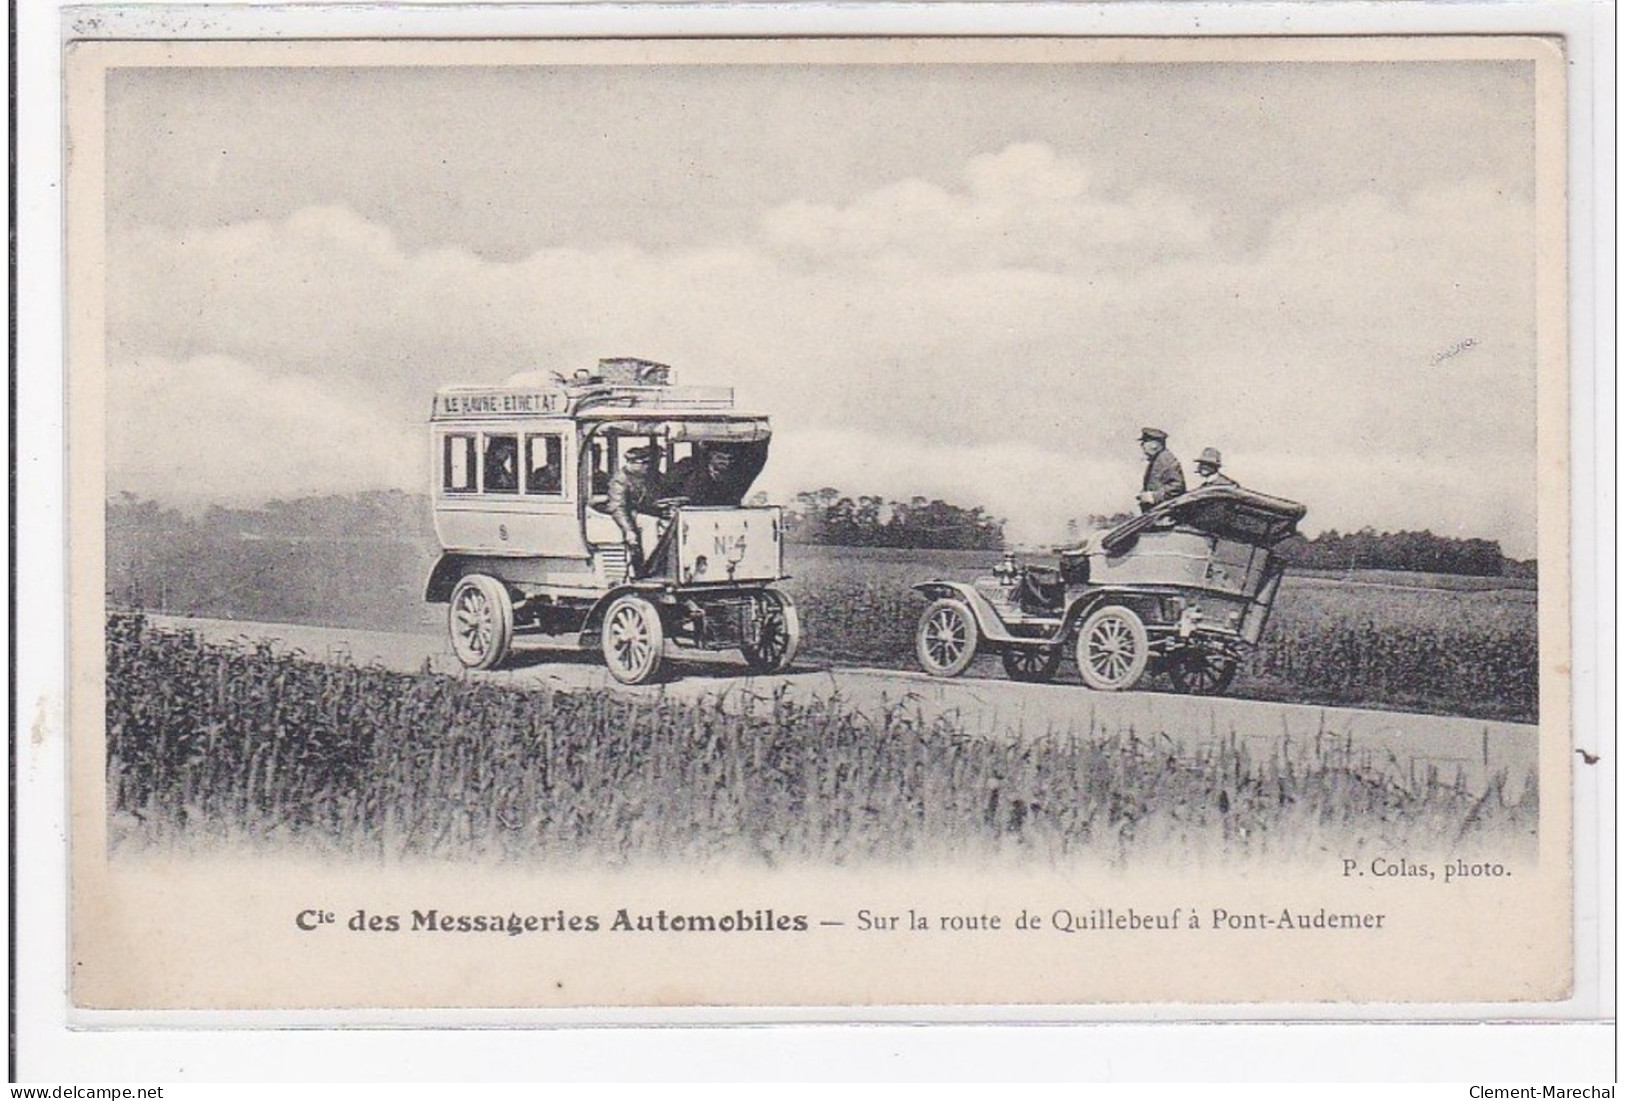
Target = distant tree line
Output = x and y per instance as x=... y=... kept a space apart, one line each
x=832 y=518
x=388 y=512
x=1420 y=551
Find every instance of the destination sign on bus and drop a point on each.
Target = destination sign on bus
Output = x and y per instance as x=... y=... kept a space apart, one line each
x=500 y=403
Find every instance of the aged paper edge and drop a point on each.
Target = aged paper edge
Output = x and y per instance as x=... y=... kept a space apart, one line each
x=86 y=397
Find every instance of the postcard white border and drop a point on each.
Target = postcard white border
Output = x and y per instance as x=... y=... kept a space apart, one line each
x=46 y=1044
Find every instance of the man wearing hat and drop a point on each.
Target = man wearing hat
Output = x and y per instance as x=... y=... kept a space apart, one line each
x=704 y=477
x=631 y=491
x=1164 y=478
x=1207 y=466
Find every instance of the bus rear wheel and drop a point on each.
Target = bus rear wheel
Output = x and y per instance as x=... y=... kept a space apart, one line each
x=480 y=620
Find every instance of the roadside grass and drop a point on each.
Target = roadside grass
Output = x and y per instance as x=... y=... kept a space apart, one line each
x=213 y=741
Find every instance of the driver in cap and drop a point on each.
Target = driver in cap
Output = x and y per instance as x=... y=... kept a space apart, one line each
x=632 y=491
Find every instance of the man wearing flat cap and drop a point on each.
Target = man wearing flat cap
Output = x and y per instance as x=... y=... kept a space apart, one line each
x=1207 y=468
x=631 y=491
x=1164 y=478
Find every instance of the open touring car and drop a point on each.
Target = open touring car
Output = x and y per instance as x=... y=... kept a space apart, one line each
x=1184 y=588
x=521 y=477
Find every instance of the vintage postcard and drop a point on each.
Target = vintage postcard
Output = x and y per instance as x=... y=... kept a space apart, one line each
x=819 y=523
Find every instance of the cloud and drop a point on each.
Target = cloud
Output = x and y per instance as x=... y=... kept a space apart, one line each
x=1021 y=207
x=1022 y=322
x=217 y=429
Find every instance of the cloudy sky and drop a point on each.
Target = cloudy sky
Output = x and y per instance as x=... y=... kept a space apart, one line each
x=974 y=282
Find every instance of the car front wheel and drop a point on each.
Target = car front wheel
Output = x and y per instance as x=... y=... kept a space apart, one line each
x=946 y=640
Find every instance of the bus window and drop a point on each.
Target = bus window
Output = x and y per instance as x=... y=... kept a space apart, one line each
x=457 y=464
x=544 y=467
x=502 y=464
x=599 y=469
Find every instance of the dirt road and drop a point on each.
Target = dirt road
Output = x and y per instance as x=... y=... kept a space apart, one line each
x=1406 y=744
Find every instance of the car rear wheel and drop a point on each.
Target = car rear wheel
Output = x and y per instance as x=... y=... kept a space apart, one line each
x=1032 y=663
x=1201 y=672
x=946 y=640
x=773 y=633
x=480 y=619
x=634 y=640
x=1112 y=649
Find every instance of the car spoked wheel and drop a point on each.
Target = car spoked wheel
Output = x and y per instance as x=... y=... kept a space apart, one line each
x=947 y=637
x=1201 y=672
x=480 y=619
x=1112 y=649
x=772 y=633
x=1032 y=663
x=634 y=640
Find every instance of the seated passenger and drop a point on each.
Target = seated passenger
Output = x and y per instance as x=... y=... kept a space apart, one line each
x=705 y=478
x=1207 y=467
x=502 y=464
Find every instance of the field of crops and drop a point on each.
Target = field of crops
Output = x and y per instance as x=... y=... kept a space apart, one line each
x=1403 y=579
x=1468 y=653
x=1456 y=652
x=242 y=744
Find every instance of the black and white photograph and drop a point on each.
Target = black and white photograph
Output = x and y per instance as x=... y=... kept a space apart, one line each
x=819 y=523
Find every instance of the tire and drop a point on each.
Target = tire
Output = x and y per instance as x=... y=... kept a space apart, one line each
x=1200 y=672
x=773 y=634
x=479 y=618
x=1112 y=649
x=946 y=640
x=1034 y=664
x=634 y=640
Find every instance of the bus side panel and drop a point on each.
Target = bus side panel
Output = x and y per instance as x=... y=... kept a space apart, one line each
x=510 y=527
